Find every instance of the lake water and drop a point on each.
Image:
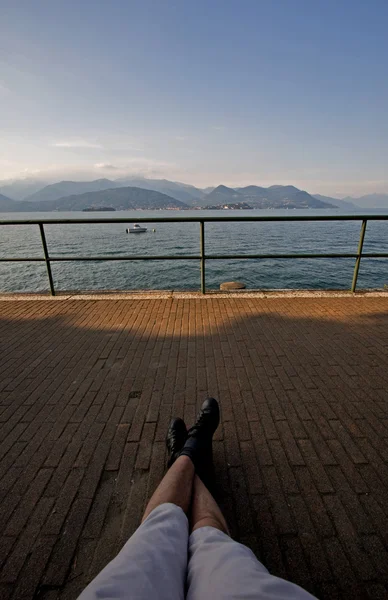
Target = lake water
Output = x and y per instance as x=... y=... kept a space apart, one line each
x=183 y=238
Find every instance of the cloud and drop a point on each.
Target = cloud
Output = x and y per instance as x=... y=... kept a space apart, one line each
x=106 y=167
x=180 y=138
x=218 y=128
x=4 y=89
x=147 y=167
x=76 y=144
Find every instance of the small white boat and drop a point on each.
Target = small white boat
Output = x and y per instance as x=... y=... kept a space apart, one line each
x=136 y=229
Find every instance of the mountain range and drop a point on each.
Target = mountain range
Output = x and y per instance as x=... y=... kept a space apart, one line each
x=370 y=200
x=140 y=192
x=180 y=191
x=276 y=196
x=69 y=188
x=342 y=204
x=123 y=198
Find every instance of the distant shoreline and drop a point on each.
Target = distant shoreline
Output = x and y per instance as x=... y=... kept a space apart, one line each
x=191 y=212
x=190 y=208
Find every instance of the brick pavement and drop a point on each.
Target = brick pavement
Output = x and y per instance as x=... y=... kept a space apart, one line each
x=87 y=390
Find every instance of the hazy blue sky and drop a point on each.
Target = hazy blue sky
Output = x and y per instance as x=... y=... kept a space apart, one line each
x=204 y=91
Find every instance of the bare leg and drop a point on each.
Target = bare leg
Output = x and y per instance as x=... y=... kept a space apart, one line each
x=205 y=511
x=218 y=567
x=176 y=486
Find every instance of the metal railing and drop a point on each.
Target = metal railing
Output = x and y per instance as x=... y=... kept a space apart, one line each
x=203 y=257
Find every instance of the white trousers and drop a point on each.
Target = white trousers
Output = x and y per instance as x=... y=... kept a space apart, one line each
x=162 y=562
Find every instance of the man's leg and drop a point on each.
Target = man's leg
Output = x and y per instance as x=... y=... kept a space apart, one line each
x=175 y=487
x=153 y=563
x=205 y=511
x=222 y=569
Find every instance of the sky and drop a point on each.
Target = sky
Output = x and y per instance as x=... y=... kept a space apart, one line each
x=202 y=91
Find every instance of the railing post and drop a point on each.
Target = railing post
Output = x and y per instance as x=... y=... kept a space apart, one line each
x=47 y=259
x=203 y=256
x=359 y=255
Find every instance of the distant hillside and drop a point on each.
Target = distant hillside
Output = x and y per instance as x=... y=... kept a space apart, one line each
x=181 y=191
x=342 y=204
x=70 y=188
x=20 y=188
x=223 y=195
x=123 y=198
x=276 y=196
x=370 y=201
x=281 y=196
x=7 y=204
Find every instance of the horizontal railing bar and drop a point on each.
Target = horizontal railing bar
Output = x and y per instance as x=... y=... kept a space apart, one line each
x=265 y=256
x=140 y=257
x=374 y=255
x=203 y=219
x=23 y=259
x=208 y=257
x=99 y=258
x=304 y=255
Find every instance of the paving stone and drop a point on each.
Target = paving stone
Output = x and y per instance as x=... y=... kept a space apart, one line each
x=95 y=521
x=62 y=506
x=64 y=549
x=279 y=502
x=253 y=472
x=376 y=591
x=145 y=446
x=117 y=447
x=241 y=500
x=317 y=470
x=269 y=540
x=349 y=540
x=310 y=540
x=297 y=567
x=27 y=503
x=26 y=541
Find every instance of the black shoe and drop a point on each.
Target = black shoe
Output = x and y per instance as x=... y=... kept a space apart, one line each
x=175 y=440
x=208 y=420
x=198 y=445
